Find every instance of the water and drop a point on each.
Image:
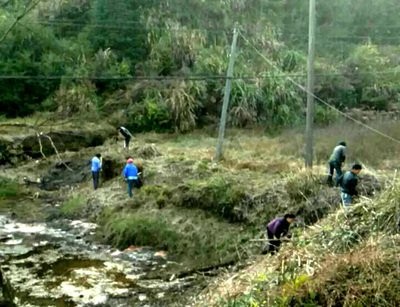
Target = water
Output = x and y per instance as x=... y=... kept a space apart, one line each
x=43 y=265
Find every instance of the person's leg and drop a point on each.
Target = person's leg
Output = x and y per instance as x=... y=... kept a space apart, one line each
x=346 y=200
x=268 y=237
x=330 y=175
x=130 y=186
x=275 y=245
x=95 y=176
x=126 y=143
x=339 y=174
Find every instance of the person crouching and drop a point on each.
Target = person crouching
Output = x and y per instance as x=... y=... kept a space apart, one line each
x=130 y=174
x=276 y=230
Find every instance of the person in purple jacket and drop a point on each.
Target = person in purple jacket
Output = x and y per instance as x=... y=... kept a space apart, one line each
x=276 y=229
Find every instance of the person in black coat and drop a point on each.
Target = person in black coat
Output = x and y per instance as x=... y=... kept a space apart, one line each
x=349 y=185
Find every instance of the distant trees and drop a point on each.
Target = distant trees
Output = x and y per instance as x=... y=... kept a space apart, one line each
x=160 y=65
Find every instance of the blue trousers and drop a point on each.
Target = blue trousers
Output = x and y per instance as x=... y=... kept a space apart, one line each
x=131 y=185
x=346 y=199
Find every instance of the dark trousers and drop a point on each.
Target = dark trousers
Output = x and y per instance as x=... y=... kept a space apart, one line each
x=127 y=140
x=96 y=176
x=335 y=166
x=131 y=184
x=272 y=245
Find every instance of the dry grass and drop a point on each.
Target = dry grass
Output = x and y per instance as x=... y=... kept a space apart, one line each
x=349 y=258
x=363 y=144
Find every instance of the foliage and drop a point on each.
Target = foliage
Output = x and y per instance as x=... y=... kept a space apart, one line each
x=180 y=232
x=148 y=115
x=73 y=207
x=76 y=99
x=351 y=256
x=8 y=189
x=141 y=230
x=114 y=45
x=217 y=195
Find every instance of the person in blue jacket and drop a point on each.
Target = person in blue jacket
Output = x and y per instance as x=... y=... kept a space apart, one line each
x=96 y=168
x=130 y=174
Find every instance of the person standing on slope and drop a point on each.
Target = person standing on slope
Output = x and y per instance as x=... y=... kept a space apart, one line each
x=336 y=161
x=126 y=134
x=96 y=168
x=130 y=174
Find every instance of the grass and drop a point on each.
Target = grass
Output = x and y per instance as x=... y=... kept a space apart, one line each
x=190 y=236
x=363 y=144
x=73 y=207
x=8 y=188
x=349 y=258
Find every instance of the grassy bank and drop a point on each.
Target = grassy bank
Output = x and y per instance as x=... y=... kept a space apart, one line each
x=348 y=259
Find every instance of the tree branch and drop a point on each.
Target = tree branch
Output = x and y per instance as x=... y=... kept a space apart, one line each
x=56 y=151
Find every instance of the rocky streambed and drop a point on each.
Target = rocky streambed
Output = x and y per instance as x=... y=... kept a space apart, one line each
x=58 y=265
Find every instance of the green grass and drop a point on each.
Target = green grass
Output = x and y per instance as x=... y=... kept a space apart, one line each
x=73 y=207
x=191 y=236
x=8 y=188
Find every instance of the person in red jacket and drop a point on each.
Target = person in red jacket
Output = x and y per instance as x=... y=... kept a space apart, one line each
x=276 y=229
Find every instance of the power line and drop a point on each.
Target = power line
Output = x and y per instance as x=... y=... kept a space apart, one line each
x=192 y=77
x=319 y=99
x=133 y=26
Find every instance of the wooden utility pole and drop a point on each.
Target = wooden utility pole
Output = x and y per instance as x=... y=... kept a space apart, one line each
x=228 y=85
x=310 y=86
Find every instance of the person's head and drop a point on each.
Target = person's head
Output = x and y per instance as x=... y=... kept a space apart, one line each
x=98 y=155
x=343 y=143
x=129 y=161
x=356 y=168
x=290 y=217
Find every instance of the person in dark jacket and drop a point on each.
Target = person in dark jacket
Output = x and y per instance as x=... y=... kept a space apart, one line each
x=96 y=168
x=349 y=184
x=126 y=134
x=130 y=174
x=276 y=229
x=336 y=161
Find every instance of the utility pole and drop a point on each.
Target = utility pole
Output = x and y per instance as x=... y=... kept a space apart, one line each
x=310 y=86
x=228 y=85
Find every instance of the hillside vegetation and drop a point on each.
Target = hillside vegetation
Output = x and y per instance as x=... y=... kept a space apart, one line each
x=160 y=65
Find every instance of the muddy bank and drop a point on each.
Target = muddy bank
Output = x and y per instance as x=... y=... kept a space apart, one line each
x=25 y=144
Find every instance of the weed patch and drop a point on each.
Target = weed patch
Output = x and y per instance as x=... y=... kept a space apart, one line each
x=8 y=188
x=73 y=207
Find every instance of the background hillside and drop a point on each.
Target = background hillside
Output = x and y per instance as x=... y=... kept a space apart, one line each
x=160 y=65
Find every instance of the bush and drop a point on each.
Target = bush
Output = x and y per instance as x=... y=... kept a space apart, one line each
x=125 y=230
x=73 y=207
x=149 y=115
x=217 y=195
x=8 y=188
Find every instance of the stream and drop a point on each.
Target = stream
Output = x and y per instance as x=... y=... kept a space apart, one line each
x=57 y=264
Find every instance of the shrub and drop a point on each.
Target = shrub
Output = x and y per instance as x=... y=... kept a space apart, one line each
x=8 y=188
x=73 y=207
x=216 y=195
x=125 y=230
